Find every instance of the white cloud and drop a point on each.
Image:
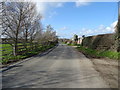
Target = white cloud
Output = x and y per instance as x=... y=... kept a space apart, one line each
x=82 y=2
x=52 y=14
x=41 y=7
x=63 y=35
x=100 y=30
x=114 y=24
x=64 y=28
x=60 y=5
x=108 y=28
x=44 y=7
x=78 y=4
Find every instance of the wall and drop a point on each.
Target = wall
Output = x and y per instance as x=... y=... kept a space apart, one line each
x=100 y=42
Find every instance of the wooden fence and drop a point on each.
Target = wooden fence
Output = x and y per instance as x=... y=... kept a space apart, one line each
x=24 y=48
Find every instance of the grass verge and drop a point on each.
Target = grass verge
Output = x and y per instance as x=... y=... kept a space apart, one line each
x=99 y=54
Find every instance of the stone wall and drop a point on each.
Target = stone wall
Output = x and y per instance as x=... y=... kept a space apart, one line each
x=100 y=42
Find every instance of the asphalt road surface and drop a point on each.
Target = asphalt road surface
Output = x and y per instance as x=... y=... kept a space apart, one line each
x=63 y=67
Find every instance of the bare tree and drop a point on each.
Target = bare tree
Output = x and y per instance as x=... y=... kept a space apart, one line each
x=12 y=18
x=30 y=13
x=32 y=25
x=1 y=9
x=21 y=23
x=49 y=34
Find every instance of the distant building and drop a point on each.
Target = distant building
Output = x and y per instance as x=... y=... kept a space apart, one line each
x=79 y=40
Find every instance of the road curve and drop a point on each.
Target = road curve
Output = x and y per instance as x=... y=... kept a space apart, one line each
x=64 y=67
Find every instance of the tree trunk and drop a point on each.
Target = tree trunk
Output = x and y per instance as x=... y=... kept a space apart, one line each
x=15 y=49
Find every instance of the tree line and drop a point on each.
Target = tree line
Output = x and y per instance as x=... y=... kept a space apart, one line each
x=21 y=23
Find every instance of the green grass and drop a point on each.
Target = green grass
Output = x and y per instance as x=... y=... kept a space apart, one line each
x=71 y=44
x=100 y=54
x=109 y=54
x=7 y=49
x=5 y=46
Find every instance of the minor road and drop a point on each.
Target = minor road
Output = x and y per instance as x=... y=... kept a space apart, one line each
x=64 y=67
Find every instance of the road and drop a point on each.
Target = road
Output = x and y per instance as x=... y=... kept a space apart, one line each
x=63 y=67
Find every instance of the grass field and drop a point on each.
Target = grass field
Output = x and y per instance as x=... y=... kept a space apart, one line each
x=5 y=48
x=7 y=52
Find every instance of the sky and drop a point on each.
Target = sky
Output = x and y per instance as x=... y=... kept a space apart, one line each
x=81 y=18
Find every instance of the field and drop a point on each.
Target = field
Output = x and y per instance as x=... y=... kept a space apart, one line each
x=7 y=52
x=5 y=48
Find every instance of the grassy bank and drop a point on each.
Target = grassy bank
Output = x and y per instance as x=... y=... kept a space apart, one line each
x=99 y=54
x=9 y=57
